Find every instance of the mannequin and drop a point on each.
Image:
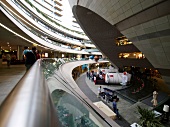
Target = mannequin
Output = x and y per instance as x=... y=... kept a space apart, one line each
x=124 y=78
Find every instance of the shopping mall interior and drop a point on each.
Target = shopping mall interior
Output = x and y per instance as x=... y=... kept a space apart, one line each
x=120 y=46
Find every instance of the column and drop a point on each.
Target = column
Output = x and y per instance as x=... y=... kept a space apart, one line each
x=0 y=57
x=55 y=54
x=19 y=52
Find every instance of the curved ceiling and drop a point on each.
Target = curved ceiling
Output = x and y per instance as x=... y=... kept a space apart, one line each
x=7 y=36
x=104 y=35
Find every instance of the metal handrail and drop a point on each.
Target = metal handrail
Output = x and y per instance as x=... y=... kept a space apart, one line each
x=29 y=104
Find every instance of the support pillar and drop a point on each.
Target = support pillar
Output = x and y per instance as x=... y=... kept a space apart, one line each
x=0 y=62
x=19 y=52
x=0 y=57
x=55 y=54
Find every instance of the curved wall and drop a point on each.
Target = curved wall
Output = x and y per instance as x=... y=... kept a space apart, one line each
x=104 y=35
x=62 y=79
x=145 y=22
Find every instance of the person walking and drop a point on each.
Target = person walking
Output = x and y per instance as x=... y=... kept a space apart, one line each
x=107 y=96
x=99 y=91
x=87 y=74
x=29 y=57
x=115 y=109
x=94 y=78
x=36 y=53
x=8 y=58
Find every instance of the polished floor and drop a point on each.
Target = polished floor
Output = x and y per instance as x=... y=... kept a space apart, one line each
x=9 y=77
x=90 y=90
x=127 y=107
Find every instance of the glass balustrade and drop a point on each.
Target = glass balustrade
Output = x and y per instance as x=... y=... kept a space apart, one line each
x=72 y=110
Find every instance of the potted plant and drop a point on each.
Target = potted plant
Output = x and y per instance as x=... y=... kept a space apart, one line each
x=148 y=119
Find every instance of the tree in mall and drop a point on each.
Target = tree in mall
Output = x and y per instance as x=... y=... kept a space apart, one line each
x=148 y=119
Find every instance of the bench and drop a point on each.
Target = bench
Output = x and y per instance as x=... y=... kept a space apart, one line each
x=105 y=109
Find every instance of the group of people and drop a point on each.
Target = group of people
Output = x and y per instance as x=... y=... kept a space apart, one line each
x=94 y=76
x=90 y=75
x=114 y=103
x=30 y=56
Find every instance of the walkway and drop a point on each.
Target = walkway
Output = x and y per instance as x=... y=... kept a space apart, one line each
x=127 y=109
x=9 y=77
x=90 y=90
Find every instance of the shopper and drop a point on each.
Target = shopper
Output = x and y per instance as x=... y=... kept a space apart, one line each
x=36 y=53
x=8 y=58
x=29 y=57
x=99 y=91
x=115 y=109
x=94 y=78
x=107 y=96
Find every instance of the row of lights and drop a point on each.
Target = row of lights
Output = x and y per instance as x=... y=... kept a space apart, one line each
x=16 y=50
x=8 y=46
x=126 y=55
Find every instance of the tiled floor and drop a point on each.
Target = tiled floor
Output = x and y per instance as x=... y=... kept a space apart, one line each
x=9 y=77
x=127 y=109
x=90 y=90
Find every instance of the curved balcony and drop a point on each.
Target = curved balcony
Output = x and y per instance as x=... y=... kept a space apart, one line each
x=36 y=36
x=32 y=99
x=54 y=34
x=53 y=24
